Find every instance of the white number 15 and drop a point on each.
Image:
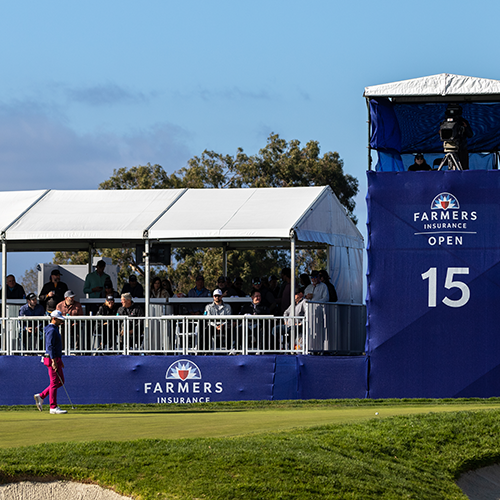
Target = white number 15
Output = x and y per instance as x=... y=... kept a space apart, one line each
x=431 y=275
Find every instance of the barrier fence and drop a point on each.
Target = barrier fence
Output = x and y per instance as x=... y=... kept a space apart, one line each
x=159 y=335
x=326 y=328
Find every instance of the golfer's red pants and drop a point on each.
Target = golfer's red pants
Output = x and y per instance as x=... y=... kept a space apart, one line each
x=55 y=383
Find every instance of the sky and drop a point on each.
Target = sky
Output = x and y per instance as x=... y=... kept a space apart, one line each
x=89 y=87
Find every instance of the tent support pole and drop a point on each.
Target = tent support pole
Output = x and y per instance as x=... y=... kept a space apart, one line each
x=148 y=288
x=4 y=293
x=369 y=137
x=224 y=259
x=292 y=277
x=91 y=255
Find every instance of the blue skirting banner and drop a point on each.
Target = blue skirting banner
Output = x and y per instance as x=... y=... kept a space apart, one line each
x=185 y=379
x=433 y=284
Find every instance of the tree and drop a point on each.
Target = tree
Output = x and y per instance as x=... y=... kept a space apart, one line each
x=29 y=280
x=278 y=164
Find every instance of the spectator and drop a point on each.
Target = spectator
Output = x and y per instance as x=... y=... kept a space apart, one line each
x=316 y=291
x=157 y=292
x=109 y=290
x=268 y=299
x=53 y=292
x=284 y=297
x=69 y=306
x=109 y=308
x=304 y=282
x=129 y=307
x=133 y=287
x=285 y=330
x=32 y=330
x=257 y=305
x=32 y=308
x=223 y=285
x=332 y=293
x=197 y=291
x=14 y=290
x=235 y=290
x=106 y=331
x=273 y=286
x=257 y=329
x=94 y=282
x=167 y=285
x=216 y=330
x=133 y=310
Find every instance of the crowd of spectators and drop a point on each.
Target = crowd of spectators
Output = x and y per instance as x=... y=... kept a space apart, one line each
x=269 y=295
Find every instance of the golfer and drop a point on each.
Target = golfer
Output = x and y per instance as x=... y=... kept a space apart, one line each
x=52 y=360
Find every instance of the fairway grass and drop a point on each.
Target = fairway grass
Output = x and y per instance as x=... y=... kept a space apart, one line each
x=262 y=451
x=28 y=426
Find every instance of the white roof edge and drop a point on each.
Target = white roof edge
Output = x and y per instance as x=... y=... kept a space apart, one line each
x=436 y=85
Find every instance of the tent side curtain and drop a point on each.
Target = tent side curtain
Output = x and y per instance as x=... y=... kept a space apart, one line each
x=327 y=222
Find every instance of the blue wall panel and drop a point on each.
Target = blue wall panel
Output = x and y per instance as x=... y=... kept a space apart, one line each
x=173 y=379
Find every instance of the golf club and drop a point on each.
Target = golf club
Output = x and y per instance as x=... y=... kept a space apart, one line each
x=64 y=387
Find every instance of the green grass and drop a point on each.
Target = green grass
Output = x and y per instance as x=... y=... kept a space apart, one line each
x=415 y=455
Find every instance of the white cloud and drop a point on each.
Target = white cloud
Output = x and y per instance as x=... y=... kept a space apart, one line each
x=38 y=149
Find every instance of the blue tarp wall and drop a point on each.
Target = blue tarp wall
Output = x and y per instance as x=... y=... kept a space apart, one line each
x=173 y=379
x=433 y=284
x=398 y=131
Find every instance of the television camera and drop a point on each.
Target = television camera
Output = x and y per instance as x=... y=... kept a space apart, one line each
x=451 y=132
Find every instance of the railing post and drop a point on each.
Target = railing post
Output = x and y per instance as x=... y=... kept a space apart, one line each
x=244 y=334
x=126 y=336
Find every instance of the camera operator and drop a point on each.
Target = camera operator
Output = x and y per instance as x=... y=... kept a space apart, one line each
x=454 y=132
x=420 y=164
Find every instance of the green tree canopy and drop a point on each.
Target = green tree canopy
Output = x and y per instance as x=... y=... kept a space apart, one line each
x=278 y=164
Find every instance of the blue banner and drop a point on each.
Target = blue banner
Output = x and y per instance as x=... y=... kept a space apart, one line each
x=433 y=284
x=185 y=379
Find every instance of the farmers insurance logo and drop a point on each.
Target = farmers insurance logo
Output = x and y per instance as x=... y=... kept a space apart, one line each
x=445 y=224
x=182 y=377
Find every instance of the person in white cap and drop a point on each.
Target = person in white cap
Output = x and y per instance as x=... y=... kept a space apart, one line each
x=216 y=329
x=53 y=361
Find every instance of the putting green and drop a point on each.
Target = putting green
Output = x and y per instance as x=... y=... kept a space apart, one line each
x=27 y=427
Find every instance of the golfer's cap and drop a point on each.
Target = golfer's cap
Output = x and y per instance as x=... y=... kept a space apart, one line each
x=221 y=279
x=314 y=274
x=69 y=293
x=56 y=272
x=217 y=291
x=132 y=277
x=30 y=296
x=57 y=314
x=110 y=297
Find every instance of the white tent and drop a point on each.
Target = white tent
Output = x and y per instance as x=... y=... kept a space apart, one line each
x=444 y=86
x=232 y=218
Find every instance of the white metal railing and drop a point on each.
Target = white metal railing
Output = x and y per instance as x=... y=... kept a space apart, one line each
x=159 y=335
x=331 y=328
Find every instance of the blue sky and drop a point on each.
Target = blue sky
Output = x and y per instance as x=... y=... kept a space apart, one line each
x=93 y=86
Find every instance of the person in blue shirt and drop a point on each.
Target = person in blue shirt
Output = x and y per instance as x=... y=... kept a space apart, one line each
x=31 y=330
x=53 y=361
x=14 y=290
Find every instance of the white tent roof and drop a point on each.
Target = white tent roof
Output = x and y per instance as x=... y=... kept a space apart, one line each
x=70 y=220
x=436 y=85
x=314 y=213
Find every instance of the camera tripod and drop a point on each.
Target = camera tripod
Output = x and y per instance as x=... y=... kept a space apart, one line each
x=451 y=160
